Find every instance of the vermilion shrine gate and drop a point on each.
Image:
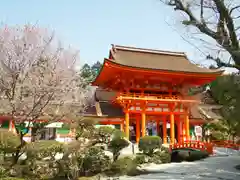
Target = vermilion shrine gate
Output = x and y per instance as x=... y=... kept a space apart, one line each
x=149 y=85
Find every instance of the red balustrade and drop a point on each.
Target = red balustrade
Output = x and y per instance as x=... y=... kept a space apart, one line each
x=190 y=144
x=226 y=144
x=205 y=146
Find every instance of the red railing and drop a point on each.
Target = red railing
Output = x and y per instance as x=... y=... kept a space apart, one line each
x=205 y=146
x=226 y=144
x=190 y=144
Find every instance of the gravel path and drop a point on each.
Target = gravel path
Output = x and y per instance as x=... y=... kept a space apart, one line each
x=219 y=167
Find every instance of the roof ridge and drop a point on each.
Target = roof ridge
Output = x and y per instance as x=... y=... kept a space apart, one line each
x=154 y=51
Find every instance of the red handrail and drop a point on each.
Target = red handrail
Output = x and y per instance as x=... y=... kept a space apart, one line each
x=205 y=146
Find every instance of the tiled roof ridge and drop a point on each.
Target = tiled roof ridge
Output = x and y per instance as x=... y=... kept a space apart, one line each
x=146 y=50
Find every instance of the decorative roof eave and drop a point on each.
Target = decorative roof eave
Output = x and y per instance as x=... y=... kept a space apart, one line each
x=109 y=63
x=197 y=121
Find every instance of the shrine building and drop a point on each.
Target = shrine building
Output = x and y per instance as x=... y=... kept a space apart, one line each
x=139 y=86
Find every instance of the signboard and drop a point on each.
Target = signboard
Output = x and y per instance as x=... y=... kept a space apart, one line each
x=198 y=130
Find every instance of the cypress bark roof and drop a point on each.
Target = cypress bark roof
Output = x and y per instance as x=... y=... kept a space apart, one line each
x=156 y=60
x=209 y=107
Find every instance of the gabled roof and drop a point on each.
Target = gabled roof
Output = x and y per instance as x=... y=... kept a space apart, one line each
x=210 y=112
x=209 y=108
x=155 y=59
x=104 y=95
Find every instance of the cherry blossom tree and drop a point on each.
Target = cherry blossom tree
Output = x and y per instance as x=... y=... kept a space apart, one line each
x=38 y=78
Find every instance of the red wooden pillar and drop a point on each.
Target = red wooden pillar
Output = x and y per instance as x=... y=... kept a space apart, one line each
x=127 y=123
x=172 y=128
x=138 y=129
x=143 y=123
x=165 y=130
x=179 y=130
x=187 y=130
x=157 y=124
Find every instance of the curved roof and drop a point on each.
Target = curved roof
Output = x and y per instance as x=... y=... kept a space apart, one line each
x=128 y=65
x=156 y=60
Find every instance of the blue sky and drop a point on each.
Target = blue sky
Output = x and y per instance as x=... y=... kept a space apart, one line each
x=93 y=25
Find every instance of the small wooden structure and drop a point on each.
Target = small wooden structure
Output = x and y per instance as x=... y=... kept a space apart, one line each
x=142 y=85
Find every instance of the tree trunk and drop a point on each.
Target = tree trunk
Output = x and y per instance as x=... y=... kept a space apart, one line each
x=115 y=156
x=17 y=154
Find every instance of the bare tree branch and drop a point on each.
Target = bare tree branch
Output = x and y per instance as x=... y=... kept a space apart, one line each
x=225 y=31
x=234 y=8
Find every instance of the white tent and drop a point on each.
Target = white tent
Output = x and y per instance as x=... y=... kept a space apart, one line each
x=98 y=126
x=54 y=125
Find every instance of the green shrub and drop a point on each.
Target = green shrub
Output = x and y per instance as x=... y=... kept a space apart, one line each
x=116 y=145
x=40 y=162
x=106 y=133
x=106 y=130
x=148 y=144
x=144 y=158
x=158 y=157
x=44 y=149
x=120 y=166
x=8 y=141
x=140 y=159
x=165 y=149
x=94 y=161
x=124 y=166
x=161 y=157
x=119 y=134
x=217 y=135
x=3 y=172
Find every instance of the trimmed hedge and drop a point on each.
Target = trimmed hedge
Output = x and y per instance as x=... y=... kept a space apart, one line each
x=116 y=145
x=94 y=161
x=164 y=157
x=148 y=144
x=158 y=157
x=124 y=166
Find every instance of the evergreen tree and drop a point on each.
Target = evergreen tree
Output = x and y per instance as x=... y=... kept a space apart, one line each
x=226 y=92
x=89 y=73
